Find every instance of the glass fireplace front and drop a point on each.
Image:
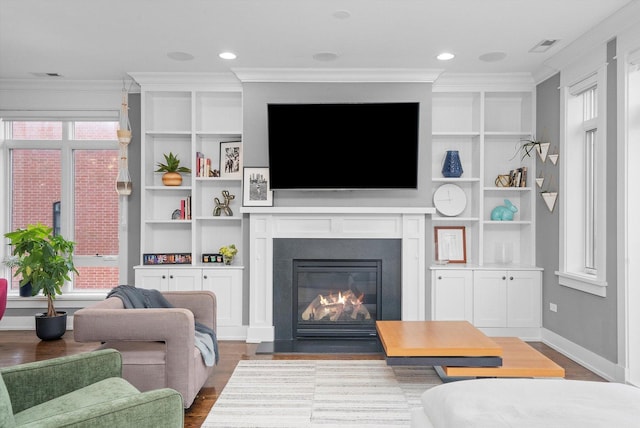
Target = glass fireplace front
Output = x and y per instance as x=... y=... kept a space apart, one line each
x=336 y=298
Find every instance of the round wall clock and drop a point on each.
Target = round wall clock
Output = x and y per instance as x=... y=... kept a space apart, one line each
x=450 y=200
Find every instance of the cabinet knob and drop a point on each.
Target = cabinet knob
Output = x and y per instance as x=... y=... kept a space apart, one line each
x=171 y=276
x=504 y=277
x=163 y=276
x=205 y=277
x=511 y=278
x=439 y=277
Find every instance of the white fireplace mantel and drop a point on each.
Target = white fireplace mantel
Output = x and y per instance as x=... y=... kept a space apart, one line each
x=269 y=223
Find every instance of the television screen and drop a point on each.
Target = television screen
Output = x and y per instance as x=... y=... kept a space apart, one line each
x=343 y=146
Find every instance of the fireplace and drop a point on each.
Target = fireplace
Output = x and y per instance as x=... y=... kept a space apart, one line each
x=270 y=306
x=313 y=277
x=336 y=298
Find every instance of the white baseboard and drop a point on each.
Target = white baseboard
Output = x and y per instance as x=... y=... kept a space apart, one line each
x=592 y=361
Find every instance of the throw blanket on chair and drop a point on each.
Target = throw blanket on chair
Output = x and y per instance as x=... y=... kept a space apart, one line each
x=133 y=297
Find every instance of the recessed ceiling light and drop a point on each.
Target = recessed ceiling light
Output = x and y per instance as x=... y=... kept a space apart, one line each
x=341 y=14
x=180 y=56
x=227 y=55
x=445 y=56
x=325 y=56
x=492 y=56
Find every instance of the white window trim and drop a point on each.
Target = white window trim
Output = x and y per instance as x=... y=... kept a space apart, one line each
x=576 y=78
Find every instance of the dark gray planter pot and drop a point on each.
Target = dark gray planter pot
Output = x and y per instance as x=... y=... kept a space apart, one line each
x=51 y=328
x=25 y=290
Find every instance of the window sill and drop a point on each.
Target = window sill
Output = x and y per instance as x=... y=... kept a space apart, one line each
x=582 y=283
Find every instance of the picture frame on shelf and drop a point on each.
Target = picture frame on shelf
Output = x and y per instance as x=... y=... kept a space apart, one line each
x=450 y=244
x=256 y=190
x=231 y=159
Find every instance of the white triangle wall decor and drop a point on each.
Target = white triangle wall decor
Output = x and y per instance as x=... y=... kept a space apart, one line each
x=539 y=181
x=543 y=149
x=550 y=199
x=553 y=158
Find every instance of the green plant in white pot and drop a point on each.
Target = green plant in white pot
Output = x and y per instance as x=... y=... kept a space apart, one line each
x=45 y=261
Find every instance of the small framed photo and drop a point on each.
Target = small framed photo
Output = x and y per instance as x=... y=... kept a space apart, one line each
x=231 y=159
x=256 y=190
x=450 y=244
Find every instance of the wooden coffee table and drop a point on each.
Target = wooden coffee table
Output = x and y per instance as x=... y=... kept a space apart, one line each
x=437 y=343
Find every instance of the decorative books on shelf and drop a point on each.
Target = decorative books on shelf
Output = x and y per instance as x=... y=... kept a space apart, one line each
x=166 y=259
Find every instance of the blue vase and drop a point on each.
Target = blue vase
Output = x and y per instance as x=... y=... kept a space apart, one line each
x=452 y=166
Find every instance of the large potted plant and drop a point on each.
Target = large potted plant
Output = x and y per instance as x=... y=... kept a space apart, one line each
x=172 y=169
x=45 y=261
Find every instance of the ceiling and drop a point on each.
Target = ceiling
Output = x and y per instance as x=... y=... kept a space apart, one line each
x=105 y=39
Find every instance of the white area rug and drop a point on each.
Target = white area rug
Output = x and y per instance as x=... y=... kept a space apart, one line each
x=320 y=393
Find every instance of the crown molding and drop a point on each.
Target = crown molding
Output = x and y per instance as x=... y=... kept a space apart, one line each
x=187 y=81
x=343 y=75
x=483 y=81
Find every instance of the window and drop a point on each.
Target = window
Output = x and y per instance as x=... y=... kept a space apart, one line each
x=582 y=264
x=62 y=174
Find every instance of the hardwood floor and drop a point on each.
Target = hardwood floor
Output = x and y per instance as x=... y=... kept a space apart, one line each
x=18 y=347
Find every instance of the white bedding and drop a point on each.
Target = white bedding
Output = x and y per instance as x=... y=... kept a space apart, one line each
x=523 y=403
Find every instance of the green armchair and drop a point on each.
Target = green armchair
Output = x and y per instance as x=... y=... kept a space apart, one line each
x=82 y=390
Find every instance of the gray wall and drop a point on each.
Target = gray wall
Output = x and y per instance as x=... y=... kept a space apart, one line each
x=256 y=96
x=584 y=319
x=135 y=160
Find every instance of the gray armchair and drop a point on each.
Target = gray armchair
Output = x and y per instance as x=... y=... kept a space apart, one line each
x=82 y=390
x=157 y=344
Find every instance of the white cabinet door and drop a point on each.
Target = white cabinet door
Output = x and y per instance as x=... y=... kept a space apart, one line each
x=168 y=279
x=185 y=279
x=152 y=278
x=226 y=283
x=490 y=298
x=524 y=299
x=452 y=295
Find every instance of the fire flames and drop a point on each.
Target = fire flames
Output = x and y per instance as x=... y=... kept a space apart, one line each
x=344 y=305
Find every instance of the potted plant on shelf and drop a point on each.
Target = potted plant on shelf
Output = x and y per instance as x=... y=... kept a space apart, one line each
x=172 y=170
x=228 y=253
x=45 y=261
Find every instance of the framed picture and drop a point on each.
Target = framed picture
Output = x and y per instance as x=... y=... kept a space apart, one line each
x=450 y=244
x=256 y=189
x=231 y=159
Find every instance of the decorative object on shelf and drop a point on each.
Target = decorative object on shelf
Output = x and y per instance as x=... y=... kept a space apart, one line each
x=452 y=167
x=549 y=199
x=231 y=159
x=172 y=170
x=503 y=180
x=45 y=260
x=450 y=200
x=175 y=215
x=504 y=212
x=228 y=253
x=124 y=186
x=504 y=252
x=223 y=207
x=214 y=173
x=256 y=191
x=212 y=258
x=450 y=244
x=166 y=259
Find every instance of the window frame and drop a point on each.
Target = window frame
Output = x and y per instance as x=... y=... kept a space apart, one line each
x=573 y=272
x=67 y=145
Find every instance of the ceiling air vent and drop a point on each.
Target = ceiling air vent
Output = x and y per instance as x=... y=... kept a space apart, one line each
x=543 y=46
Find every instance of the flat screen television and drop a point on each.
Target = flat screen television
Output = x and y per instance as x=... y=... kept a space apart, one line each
x=343 y=146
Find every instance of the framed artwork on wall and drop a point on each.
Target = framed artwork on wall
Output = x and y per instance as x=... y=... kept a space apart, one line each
x=256 y=190
x=231 y=159
x=450 y=244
